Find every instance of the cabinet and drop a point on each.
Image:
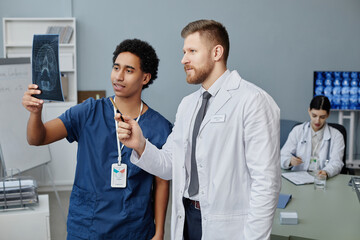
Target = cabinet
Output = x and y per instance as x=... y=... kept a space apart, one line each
x=18 y=37
x=31 y=223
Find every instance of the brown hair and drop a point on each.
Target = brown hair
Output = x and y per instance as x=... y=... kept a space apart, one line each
x=213 y=31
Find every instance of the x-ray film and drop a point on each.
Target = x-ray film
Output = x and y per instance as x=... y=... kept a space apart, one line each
x=45 y=67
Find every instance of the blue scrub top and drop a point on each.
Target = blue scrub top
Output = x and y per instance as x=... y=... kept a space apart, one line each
x=96 y=210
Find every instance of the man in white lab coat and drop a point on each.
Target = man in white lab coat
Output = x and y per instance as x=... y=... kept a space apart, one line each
x=237 y=157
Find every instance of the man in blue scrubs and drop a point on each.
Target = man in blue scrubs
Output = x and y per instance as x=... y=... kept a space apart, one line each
x=111 y=197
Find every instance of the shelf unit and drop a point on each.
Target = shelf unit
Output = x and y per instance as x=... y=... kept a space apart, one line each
x=350 y=115
x=18 y=37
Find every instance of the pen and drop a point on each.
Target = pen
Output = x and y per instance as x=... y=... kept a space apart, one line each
x=117 y=110
x=293 y=154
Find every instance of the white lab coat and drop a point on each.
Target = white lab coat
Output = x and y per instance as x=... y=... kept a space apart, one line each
x=299 y=143
x=238 y=161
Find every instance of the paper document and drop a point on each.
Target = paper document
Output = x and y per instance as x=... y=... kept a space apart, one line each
x=15 y=184
x=356 y=185
x=298 y=178
x=18 y=192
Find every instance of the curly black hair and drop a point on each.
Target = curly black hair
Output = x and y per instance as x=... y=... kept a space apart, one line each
x=149 y=61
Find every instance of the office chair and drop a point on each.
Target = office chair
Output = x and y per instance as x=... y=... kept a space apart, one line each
x=285 y=128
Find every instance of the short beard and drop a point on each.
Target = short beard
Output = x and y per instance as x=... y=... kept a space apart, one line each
x=200 y=75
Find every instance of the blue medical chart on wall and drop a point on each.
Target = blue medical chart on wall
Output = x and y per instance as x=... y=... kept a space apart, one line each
x=342 y=88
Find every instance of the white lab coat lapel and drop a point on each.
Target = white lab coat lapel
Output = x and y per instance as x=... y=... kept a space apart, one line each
x=187 y=121
x=327 y=134
x=308 y=142
x=232 y=82
x=326 y=137
x=190 y=112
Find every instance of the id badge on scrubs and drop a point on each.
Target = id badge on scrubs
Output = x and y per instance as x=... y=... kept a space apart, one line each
x=118 y=175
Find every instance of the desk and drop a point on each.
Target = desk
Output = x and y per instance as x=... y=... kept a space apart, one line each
x=330 y=214
x=26 y=224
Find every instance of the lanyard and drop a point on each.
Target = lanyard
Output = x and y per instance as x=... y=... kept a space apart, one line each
x=117 y=138
x=314 y=151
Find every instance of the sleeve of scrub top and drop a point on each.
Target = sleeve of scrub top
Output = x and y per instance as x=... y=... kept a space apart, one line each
x=75 y=117
x=289 y=148
x=262 y=144
x=337 y=147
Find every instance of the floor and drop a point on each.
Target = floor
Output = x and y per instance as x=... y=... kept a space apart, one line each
x=58 y=223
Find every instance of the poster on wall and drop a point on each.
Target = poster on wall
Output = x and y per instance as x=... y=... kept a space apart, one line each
x=341 y=87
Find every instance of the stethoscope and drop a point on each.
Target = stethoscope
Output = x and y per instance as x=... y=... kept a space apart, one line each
x=303 y=140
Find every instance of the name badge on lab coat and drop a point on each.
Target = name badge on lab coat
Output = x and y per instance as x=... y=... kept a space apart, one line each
x=218 y=118
x=314 y=164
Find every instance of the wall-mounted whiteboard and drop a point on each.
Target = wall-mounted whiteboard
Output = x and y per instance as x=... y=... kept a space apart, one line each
x=15 y=76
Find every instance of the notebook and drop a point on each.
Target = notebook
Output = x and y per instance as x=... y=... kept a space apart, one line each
x=299 y=178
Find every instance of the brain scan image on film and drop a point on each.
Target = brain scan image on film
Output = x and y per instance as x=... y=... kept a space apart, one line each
x=46 y=66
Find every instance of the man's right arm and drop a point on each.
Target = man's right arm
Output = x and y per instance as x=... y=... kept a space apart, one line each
x=145 y=155
x=130 y=134
x=39 y=133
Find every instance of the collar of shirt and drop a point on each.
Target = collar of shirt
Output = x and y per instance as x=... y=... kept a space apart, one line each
x=319 y=133
x=316 y=138
x=214 y=89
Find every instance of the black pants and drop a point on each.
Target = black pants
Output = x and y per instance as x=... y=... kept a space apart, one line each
x=192 y=227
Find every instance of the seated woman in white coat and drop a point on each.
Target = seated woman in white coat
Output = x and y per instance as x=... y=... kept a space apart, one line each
x=314 y=146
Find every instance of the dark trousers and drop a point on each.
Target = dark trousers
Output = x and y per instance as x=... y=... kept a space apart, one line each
x=192 y=227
